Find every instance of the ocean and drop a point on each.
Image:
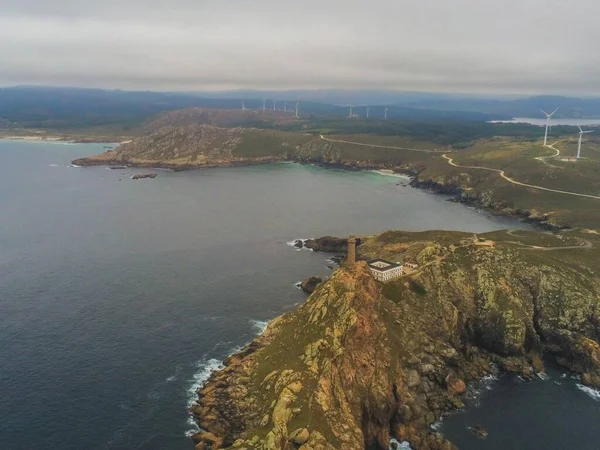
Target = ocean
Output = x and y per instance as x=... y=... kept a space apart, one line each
x=118 y=297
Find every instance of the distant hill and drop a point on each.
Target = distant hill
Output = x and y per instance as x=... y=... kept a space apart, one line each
x=526 y=107
x=75 y=109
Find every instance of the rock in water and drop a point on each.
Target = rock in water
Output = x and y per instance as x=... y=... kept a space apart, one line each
x=478 y=431
x=310 y=284
x=142 y=176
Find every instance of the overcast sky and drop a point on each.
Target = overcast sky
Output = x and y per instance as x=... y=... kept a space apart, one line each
x=479 y=46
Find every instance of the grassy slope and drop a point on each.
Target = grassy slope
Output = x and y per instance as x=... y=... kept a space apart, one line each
x=517 y=159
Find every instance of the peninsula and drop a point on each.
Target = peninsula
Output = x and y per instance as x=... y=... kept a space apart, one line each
x=362 y=362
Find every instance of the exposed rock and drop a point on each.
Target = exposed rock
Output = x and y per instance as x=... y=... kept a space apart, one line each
x=360 y=362
x=300 y=436
x=310 y=284
x=329 y=244
x=455 y=385
x=478 y=431
x=142 y=176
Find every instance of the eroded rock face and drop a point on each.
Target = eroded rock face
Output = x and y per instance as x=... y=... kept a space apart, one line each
x=359 y=362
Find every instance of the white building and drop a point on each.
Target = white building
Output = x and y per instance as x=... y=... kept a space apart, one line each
x=384 y=270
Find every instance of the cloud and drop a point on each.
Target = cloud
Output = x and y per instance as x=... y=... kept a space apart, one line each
x=526 y=46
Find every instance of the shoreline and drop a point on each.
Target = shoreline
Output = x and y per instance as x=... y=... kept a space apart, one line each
x=66 y=138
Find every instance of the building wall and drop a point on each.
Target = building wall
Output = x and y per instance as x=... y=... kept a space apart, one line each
x=387 y=275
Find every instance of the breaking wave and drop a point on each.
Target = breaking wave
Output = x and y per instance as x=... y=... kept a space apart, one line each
x=594 y=393
x=259 y=325
x=205 y=369
x=292 y=243
x=399 y=445
x=389 y=173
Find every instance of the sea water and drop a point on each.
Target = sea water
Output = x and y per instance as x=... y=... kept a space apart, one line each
x=119 y=297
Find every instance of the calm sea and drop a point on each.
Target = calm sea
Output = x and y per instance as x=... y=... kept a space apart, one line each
x=117 y=297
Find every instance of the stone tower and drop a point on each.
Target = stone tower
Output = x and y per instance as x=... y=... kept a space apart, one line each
x=351 y=259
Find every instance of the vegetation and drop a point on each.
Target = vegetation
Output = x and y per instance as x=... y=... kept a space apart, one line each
x=474 y=303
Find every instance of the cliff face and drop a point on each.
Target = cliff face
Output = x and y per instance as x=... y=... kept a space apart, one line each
x=360 y=362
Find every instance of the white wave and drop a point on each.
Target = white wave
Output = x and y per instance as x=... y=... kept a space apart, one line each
x=298 y=285
x=171 y=378
x=292 y=243
x=594 y=393
x=399 y=445
x=259 y=325
x=56 y=165
x=205 y=369
x=437 y=425
x=74 y=165
x=475 y=390
x=390 y=173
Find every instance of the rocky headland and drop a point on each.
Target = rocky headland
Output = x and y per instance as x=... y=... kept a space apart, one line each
x=361 y=362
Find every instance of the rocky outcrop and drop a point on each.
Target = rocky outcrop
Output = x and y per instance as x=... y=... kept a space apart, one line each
x=359 y=362
x=484 y=199
x=143 y=175
x=310 y=284
x=329 y=244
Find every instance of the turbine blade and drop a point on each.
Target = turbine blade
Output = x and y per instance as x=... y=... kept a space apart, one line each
x=580 y=130
x=544 y=112
x=554 y=111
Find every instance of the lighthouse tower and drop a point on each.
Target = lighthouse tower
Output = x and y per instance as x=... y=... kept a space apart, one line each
x=351 y=259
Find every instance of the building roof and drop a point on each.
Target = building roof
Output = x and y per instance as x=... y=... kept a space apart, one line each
x=382 y=265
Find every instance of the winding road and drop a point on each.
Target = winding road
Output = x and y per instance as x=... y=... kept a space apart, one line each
x=422 y=150
x=518 y=183
x=498 y=171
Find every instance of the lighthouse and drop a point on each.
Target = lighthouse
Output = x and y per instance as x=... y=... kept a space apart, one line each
x=351 y=259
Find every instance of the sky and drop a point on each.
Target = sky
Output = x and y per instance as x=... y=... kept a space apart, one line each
x=470 y=46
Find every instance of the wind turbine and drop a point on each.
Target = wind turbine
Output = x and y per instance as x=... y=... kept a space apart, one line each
x=274 y=103
x=581 y=133
x=284 y=106
x=297 y=103
x=385 y=113
x=350 y=111
x=243 y=106
x=368 y=110
x=264 y=103
x=548 y=116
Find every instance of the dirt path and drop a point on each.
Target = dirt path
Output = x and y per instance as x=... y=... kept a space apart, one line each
x=380 y=146
x=518 y=183
x=544 y=159
x=498 y=171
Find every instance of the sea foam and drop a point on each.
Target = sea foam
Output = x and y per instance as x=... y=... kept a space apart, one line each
x=594 y=393
x=259 y=325
x=389 y=173
x=205 y=368
x=400 y=445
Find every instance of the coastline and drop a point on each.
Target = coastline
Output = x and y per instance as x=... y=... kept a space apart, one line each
x=71 y=138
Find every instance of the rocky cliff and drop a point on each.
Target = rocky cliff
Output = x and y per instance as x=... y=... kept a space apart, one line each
x=360 y=362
